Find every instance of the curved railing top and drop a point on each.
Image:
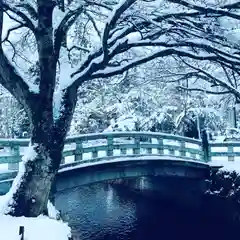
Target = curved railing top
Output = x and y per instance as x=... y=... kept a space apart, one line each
x=105 y=135
x=96 y=136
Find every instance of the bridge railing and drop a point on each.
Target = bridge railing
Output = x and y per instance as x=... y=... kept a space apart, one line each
x=225 y=151
x=90 y=148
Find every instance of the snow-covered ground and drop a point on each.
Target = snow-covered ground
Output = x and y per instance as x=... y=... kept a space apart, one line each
x=227 y=165
x=40 y=228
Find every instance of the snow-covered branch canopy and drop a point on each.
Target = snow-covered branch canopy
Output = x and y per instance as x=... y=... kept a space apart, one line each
x=149 y=29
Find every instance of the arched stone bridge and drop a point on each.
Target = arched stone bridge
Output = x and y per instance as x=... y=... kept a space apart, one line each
x=105 y=156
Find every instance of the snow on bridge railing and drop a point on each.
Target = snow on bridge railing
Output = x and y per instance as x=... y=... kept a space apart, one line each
x=90 y=148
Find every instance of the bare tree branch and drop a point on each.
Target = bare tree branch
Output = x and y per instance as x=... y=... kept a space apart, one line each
x=12 y=29
x=235 y=5
x=209 y=78
x=98 y=4
x=63 y=27
x=111 y=24
x=27 y=21
x=30 y=9
x=94 y=67
x=227 y=75
x=14 y=50
x=206 y=10
x=9 y=77
x=93 y=23
x=202 y=90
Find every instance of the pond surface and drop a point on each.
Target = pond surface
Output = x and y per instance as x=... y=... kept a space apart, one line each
x=102 y=211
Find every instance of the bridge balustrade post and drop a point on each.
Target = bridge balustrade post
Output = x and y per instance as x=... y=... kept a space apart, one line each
x=94 y=153
x=182 y=149
x=136 y=149
x=15 y=150
x=123 y=151
x=78 y=151
x=230 y=156
x=209 y=153
x=171 y=151
x=109 y=146
x=193 y=155
x=160 y=146
x=149 y=150
x=63 y=160
x=205 y=145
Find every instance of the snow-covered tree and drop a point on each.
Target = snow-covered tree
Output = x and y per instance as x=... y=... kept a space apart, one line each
x=13 y=119
x=43 y=63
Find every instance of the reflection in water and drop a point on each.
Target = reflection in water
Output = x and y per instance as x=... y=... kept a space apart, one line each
x=100 y=212
x=109 y=200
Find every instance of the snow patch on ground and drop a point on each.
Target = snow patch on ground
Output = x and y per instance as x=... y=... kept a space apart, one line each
x=38 y=228
x=42 y=227
x=227 y=165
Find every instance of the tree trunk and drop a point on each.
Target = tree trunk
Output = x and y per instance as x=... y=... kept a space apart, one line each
x=31 y=189
x=31 y=195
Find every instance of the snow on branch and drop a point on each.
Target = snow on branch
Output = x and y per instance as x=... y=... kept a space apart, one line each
x=111 y=71
x=118 y=11
x=206 y=76
x=18 y=26
x=29 y=9
x=61 y=30
x=24 y=18
x=9 y=77
x=218 y=11
x=190 y=31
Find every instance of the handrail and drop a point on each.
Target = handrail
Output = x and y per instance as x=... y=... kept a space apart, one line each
x=83 y=146
x=185 y=148
x=95 y=136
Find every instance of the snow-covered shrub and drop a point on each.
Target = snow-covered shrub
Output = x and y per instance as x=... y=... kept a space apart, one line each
x=157 y=122
x=13 y=119
x=224 y=195
x=191 y=122
x=92 y=122
x=232 y=133
x=225 y=184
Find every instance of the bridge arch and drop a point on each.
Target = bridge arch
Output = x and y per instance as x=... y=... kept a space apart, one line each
x=151 y=166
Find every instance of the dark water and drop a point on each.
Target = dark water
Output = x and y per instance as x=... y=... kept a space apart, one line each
x=101 y=211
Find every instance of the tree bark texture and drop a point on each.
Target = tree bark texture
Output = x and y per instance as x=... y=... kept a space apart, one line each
x=48 y=136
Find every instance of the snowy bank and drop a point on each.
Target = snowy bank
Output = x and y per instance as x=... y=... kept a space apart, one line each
x=40 y=228
x=227 y=165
